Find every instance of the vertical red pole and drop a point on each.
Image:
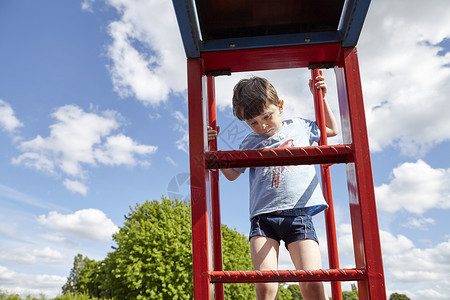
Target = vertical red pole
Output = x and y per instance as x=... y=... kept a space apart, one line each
x=199 y=175
x=215 y=198
x=330 y=222
x=363 y=212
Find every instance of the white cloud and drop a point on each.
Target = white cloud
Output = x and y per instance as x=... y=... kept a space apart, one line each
x=7 y=229
x=405 y=81
x=59 y=238
x=345 y=239
x=91 y=224
x=418 y=223
x=431 y=294
x=154 y=116
x=180 y=117
x=70 y=143
x=34 y=284
x=419 y=270
x=407 y=268
x=87 y=5
x=76 y=186
x=27 y=256
x=181 y=126
x=394 y=245
x=171 y=161
x=148 y=60
x=36 y=161
x=78 y=139
x=183 y=143
x=8 y=120
x=415 y=187
x=121 y=150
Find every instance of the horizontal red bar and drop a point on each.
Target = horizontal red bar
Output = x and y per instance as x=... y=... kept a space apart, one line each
x=241 y=60
x=279 y=157
x=287 y=276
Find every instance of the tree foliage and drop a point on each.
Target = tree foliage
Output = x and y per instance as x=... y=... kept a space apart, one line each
x=77 y=296
x=236 y=257
x=353 y=295
x=295 y=292
x=396 y=296
x=153 y=258
x=83 y=277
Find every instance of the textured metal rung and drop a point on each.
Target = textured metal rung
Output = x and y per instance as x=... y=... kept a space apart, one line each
x=287 y=276
x=279 y=157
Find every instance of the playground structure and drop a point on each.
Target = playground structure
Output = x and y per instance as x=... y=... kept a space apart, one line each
x=221 y=37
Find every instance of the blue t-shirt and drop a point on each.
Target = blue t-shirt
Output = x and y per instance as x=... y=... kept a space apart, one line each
x=285 y=187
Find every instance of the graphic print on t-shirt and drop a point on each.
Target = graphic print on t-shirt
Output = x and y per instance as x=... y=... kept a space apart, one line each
x=277 y=171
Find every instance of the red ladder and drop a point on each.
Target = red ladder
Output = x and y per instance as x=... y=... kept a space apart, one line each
x=354 y=153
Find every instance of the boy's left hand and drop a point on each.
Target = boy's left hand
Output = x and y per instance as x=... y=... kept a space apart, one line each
x=213 y=133
x=320 y=84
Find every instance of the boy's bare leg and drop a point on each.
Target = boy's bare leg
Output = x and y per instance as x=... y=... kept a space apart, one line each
x=305 y=255
x=264 y=252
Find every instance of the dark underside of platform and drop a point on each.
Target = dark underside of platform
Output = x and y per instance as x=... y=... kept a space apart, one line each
x=220 y=19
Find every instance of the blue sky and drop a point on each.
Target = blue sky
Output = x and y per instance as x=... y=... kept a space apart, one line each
x=93 y=119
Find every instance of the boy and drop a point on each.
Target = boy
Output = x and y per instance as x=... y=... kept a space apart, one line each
x=282 y=199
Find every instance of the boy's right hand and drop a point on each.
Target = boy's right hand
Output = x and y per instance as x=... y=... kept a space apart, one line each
x=213 y=133
x=230 y=174
x=320 y=84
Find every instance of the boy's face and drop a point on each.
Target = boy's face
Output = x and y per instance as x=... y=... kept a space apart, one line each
x=269 y=121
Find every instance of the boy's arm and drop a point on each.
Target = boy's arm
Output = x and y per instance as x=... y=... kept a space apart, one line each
x=230 y=174
x=330 y=120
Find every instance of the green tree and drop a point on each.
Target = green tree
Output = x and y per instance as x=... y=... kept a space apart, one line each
x=69 y=286
x=353 y=295
x=108 y=284
x=396 y=296
x=284 y=293
x=153 y=258
x=6 y=296
x=236 y=257
x=83 y=277
x=295 y=291
x=75 y=297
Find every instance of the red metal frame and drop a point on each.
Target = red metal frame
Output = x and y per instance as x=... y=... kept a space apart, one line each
x=272 y=58
x=279 y=157
x=198 y=180
x=366 y=239
x=215 y=198
x=330 y=223
x=333 y=275
x=354 y=152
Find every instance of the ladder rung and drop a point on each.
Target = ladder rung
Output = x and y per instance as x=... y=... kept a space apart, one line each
x=279 y=157
x=287 y=276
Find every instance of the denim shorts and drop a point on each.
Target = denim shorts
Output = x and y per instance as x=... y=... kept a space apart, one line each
x=286 y=225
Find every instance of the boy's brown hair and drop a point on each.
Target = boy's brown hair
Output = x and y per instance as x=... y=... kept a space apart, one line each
x=251 y=96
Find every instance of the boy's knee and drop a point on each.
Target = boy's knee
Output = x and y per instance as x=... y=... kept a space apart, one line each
x=312 y=290
x=266 y=290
